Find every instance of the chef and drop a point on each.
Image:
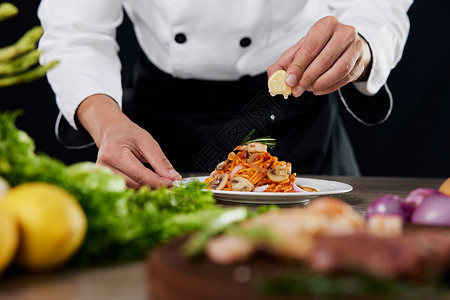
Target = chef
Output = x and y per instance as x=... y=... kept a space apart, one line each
x=200 y=82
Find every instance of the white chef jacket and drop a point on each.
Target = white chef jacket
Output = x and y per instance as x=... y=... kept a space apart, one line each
x=81 y=35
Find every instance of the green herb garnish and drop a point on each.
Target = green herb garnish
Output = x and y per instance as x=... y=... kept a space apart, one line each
x=267 y=140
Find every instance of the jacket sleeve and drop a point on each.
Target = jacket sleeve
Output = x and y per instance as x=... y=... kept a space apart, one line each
x=81 y=35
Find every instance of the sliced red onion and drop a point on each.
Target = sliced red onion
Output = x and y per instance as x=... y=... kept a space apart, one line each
x=390 y=205
x=417 y=196
x=261 y=188
x=250 y=161
x=252 y=158
x=297 y=189
x=435 y=210
x=264 y=171
x=235 y=170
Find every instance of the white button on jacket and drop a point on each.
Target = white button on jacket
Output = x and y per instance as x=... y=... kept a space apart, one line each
x=201 y=39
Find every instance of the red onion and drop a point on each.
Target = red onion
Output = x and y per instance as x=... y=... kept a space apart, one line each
x=235 y=170
x=250 y=161
x=417 y=196
x=252 y=158
x=390 y=205
x=261 y=188
x=297 y=188
x=435 y=210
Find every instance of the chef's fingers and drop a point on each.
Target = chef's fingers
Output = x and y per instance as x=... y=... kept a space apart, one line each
x=347 y=68
x=313 y=43
x=329 y=86
x=283 y=62
x=125 y=161
x=327 y=60
x=126 y=149
x=150 y=151
x=146 y=149
x=131 y=183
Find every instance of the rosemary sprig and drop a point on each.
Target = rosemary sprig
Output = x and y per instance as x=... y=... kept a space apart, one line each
x=267 y=140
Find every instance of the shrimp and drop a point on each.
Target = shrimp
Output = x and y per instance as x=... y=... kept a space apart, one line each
x=253 y=147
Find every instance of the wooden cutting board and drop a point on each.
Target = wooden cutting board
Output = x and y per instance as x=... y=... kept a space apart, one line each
x=172 y=276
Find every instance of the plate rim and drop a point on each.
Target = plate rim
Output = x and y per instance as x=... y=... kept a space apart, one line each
x=271 y=197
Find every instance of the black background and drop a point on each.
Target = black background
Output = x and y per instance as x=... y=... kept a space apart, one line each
x=414 y=141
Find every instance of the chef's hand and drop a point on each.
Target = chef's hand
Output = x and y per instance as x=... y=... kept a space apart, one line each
x=123 y=145
x=331 y=55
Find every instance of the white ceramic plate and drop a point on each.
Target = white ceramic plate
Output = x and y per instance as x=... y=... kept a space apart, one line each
x=324 y=187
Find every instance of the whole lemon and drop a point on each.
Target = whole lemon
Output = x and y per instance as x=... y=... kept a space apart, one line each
x=51 y=222
x=9 y=234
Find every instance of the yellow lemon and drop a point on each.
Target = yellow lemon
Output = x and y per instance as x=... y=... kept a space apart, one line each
x=444 y=188
x=277 y=84
x=51 y=222
x=9 y=239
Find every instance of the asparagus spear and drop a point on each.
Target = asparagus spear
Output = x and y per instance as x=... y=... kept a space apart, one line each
x=27 y=76
x=17 y=60
x=20 y=64
x=26 y=43
x=7 y=10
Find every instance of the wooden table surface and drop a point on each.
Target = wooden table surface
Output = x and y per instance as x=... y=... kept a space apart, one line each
x=127 y=281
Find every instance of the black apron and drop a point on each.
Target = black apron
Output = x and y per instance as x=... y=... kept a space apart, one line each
x=197 y=122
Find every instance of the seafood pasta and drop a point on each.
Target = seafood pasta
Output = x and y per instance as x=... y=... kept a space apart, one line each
x=251 y=168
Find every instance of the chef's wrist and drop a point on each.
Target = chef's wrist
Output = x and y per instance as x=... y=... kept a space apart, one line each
x=96 y=112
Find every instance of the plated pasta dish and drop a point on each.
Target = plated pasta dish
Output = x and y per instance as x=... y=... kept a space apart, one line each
x=251 y=168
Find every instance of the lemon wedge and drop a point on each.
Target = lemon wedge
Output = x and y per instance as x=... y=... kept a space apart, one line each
x=277 y=84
